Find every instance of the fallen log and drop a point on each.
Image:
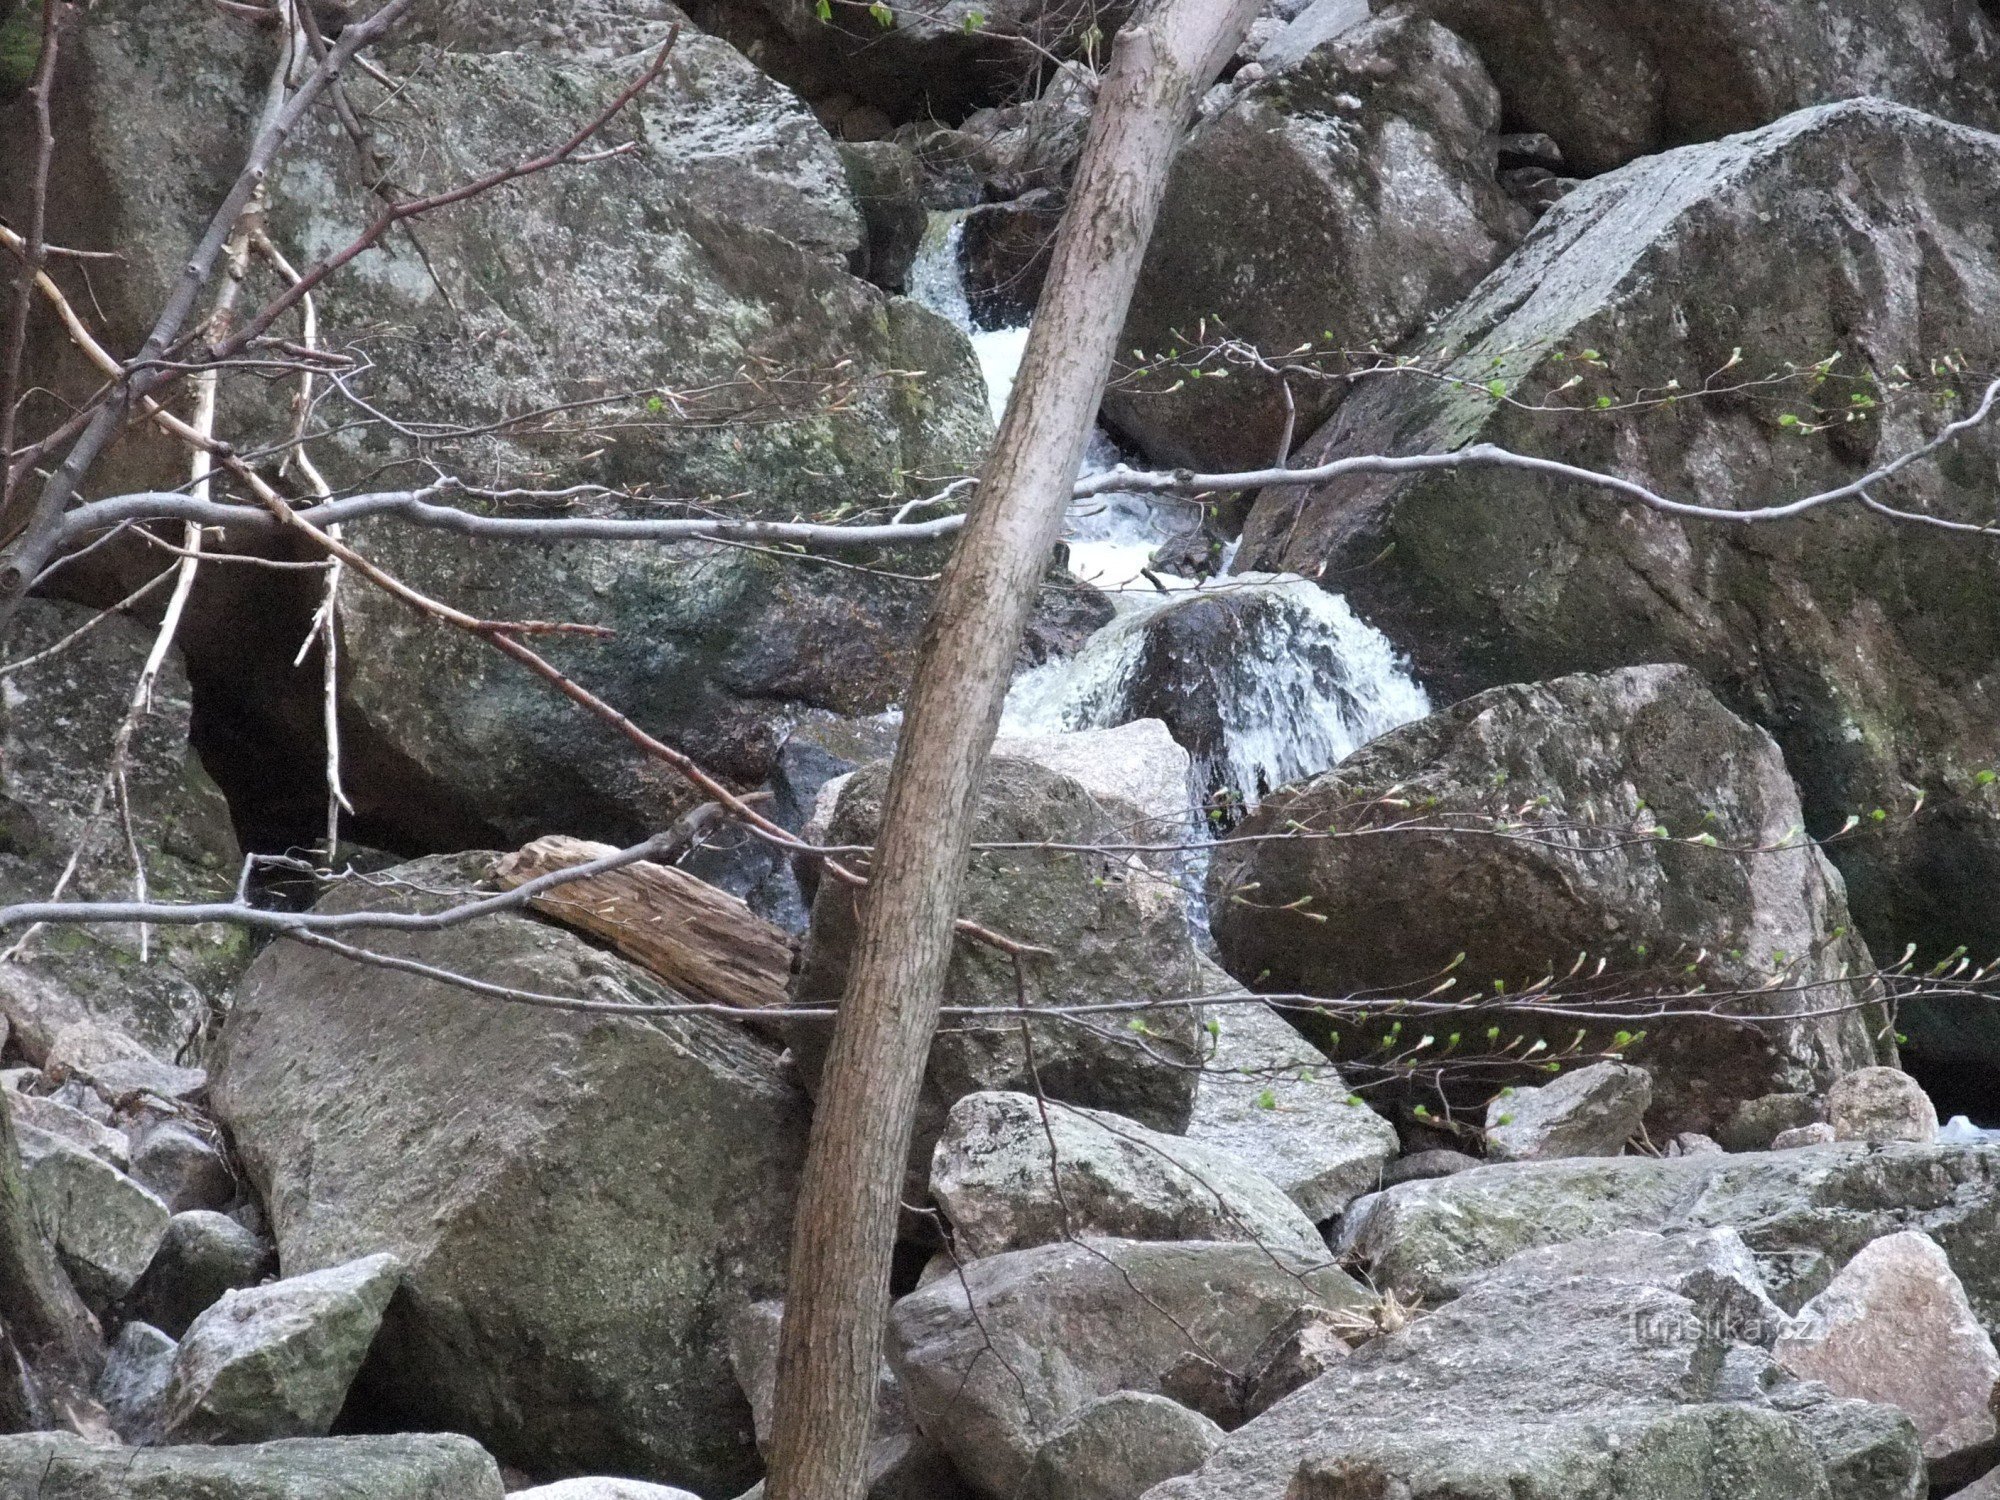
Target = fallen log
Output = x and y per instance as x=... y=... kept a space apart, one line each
x=703 y=942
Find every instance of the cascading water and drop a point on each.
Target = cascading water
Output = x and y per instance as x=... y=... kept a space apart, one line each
x=1291 y=680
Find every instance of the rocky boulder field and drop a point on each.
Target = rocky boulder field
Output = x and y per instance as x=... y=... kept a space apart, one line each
x=1471 y=985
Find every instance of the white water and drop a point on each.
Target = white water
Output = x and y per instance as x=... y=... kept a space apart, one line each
x=1307 y=682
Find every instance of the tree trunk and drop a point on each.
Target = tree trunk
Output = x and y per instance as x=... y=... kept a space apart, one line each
x=839 y=1286
x=52 y=1333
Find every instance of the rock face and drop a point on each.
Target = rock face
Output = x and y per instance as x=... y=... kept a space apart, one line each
x=1610 y=85
x=105 y=1226
x=376 y=1111
x=1338 y=203
x=1270 y=1098
x=1864 y=647
x=1066 y=1319
x=276 y=1361
x=1590 y=1112
x=1895 y=1327
x=58 y=721
x=1446 y=1409
x=51 y=1466
x=1114 y=929
x=1881 y=1104
x=716 y=254
x=1120 y=1447
x=1806 y=1213
x=1599 y=762
x=1010 y=1177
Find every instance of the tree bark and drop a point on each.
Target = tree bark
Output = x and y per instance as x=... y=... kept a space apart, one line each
x=830 y=1345
x=52 y=1333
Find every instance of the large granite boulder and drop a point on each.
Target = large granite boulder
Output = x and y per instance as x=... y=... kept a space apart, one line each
x=579 y=1200
x=1806 y=1213
x=103 y=1224
x=1585 y=769
x=995 y=1359
x=1012 y=1171
x=1338 y=203
x=1114 y=929
x=699 y=283
x=56 y=1466
x=1580 y=1374
x=1609 y=83
x=1867 y=649
x=59 y=718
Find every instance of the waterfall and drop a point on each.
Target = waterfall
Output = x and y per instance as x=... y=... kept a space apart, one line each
x=1294 y=681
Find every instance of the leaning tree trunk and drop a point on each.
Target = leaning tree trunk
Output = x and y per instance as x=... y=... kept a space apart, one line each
x=830 y=1347
x=56 y=1348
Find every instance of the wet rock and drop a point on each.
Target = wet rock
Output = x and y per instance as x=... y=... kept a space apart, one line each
x=1274 y=1101
x=183 y=1167
x=104 y=1225
x=1067 y=1320
x=1601 y=761
x=888 y=189
x=1011 y=1173
x=1854 y=642
x=1895 y=1327
x=1447 y=1407
x=202 y=1256
x=715 y=258
x=1113 y=928
x=1264 y=680
x=1819 y=1133
x=1805 y=1213
x=1006 y=249
x=57 y=726
x=1592 y=1111
x=1339 y=202
x=275 y=1361
x=1610 y=85
x=1119 y=1447
x=136 y=1370
x=1881 y=1104
x=55 y=1466
x=1295 y=1353
x=1136 y=772
x=377 y=1111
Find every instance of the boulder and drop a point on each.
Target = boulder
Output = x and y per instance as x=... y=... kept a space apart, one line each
x=56 y=1466
x=1337 y=203
x=1119 y=1447
x=183 y=1167
x=1273 y=1100
x=1592 y=1111
x=1264 y=680
x=657 y=1156
x=602 y=1489
x=1600 y=763
x=1881 y=1104
x=203 y=1255
x=275 y=1361
x=705 y=275
x=1607 y=1374
x=1423 y=1164
x=73 y=1125
x=1895 y=1327
x=1819 y=1133
x=1755 y=1123
x=1984 y=1489
x=995 y=1360
x=110 y=1064
x=1011 y=1173
x=1854 y=230
x=1295 y=1353
x=1114 y=929
x=1612 y=84
x=137 y=1367
x=57 y=726
x=1806 y=1213
x=102 y=1223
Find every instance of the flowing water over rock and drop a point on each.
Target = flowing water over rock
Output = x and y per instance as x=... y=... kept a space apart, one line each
x=1264 y=678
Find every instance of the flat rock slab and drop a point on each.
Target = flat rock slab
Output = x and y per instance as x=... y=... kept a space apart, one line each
x=1806 y=1213
x=55 y=1466
x=1590 y=1112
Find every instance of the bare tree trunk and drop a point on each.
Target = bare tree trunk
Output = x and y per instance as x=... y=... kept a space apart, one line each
x=52 y=1333
x=839 y=1286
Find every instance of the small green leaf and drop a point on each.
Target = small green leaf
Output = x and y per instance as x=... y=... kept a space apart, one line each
x=824 y=10
x=1268 y=1099
x=884 y=17
x=1497 y=389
